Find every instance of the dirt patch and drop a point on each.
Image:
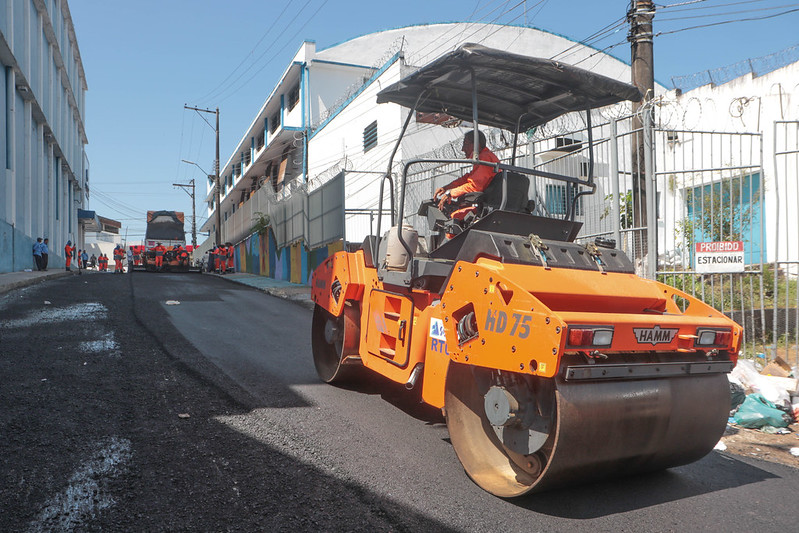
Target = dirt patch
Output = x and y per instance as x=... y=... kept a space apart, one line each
x=766 y=446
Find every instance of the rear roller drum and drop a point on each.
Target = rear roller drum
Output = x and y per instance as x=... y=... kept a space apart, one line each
x=331 y=342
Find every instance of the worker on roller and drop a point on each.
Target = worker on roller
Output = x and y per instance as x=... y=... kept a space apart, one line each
x=159 y=255
x=474 y=181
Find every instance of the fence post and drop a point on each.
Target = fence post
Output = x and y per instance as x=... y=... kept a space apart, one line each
x=651 y=196
x=614 y=181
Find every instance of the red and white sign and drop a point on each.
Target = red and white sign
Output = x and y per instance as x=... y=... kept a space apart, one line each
x=719 y=257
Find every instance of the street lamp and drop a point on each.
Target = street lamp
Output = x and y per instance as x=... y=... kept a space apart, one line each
x=185 y=187
x=216 y=168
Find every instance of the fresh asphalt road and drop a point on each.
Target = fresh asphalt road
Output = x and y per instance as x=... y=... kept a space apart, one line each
x=379 y=437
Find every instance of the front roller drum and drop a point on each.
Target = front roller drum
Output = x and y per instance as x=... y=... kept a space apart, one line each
x=525 y=434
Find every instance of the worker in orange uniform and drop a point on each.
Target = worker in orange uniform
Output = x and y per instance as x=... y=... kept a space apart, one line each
x=183 y=255
x=68 y=250
x=119 y=254
x=101 y=263
x=474 y=181
x=221 y=256
x=231 y=258
x=159 y=256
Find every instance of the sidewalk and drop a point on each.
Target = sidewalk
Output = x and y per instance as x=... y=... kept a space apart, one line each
x=14 y=280
x=286 y=290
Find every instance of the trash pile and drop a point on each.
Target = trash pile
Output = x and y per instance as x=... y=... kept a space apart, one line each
x=767 y=399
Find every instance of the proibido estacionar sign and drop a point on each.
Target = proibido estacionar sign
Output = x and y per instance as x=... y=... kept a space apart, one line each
x=719 y=257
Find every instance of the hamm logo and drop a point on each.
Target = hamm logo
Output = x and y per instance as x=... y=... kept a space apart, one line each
x=656 y=335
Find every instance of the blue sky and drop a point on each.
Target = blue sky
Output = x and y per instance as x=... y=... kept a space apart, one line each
x=145 y=59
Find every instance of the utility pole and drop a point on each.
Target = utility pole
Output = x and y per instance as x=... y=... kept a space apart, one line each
x=185 y=187
x=218 y=235
x=640 y=15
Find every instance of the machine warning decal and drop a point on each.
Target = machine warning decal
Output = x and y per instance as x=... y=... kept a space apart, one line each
x=655 y=335
x=437 y=329
x=438 y=339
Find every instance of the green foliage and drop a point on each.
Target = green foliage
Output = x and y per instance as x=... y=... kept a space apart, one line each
x=261 y=223
x=625 y=209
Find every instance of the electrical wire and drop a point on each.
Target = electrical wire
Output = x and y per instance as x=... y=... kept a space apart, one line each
x=750 y=19
x=251 y=52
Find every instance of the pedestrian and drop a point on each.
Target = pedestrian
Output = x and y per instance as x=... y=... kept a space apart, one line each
x=37 y=253
x=129 y=255
x=45 y=254
x=84 y=259
x=93 y=260
x=68 y=251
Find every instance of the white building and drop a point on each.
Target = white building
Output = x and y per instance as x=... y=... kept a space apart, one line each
x=735 y=135
x=42 y=136
x=322 y=116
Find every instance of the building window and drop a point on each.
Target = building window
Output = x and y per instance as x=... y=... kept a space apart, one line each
x=370 y=136
x=294 y=96
x=274 y=122
x=560 y=197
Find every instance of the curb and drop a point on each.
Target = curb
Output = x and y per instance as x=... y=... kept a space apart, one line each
x=8 y=287
x=298 y=294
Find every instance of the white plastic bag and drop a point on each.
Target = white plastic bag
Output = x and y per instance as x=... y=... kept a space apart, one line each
x=750 y=378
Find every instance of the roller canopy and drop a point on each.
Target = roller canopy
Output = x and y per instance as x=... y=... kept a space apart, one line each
x=508 y=86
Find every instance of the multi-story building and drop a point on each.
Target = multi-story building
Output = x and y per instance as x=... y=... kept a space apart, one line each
x=43 y=163
x=321 y=121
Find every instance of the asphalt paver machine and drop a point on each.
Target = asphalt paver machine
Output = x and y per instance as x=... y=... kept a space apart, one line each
x=553 y=362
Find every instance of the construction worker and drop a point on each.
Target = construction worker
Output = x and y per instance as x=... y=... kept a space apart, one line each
x=159 y=256
x=221 y=255
x=105 y=263
x=231 y=258
x=182 y=255
x=118 y=255
x=68 y=250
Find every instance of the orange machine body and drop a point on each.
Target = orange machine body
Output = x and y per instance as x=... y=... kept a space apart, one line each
x=523 y=315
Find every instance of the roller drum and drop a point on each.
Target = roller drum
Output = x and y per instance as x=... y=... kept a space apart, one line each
x=600 y=430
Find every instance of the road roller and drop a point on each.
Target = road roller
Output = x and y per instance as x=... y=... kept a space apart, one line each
x=552 y=361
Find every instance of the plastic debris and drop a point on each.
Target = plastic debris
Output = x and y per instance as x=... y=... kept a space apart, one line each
x=775 y=431
x=795 y=452
x=720 y=446
x=172 y=302
x=746 y=373
x=757 y=411
x=184 y=415
x=47 y=302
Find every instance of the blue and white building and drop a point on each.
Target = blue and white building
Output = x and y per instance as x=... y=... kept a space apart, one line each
x=44 y=171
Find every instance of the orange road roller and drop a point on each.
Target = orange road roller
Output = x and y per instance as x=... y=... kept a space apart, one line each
x=553 y=362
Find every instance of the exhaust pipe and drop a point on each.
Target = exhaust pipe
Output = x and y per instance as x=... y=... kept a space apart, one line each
x=414 y=377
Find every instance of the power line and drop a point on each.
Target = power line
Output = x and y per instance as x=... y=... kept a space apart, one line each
x=267 y=32
x=727 y=22
x=727 y=13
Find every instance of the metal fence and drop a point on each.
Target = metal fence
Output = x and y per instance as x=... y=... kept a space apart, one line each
x=295 y=214
x=697 y=186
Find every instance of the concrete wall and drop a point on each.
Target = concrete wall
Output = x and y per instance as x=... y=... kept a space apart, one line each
x=259 y=254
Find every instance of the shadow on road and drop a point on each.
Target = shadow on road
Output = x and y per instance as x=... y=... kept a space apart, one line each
x=713 y=473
